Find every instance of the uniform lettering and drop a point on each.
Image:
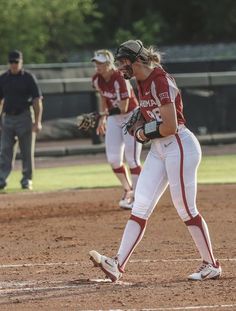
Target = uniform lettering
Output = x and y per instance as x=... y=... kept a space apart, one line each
x=108 y=94
x=124 y=95
x=164 y=95
x=147 y=103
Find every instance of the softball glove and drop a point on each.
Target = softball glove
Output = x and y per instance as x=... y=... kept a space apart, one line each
x=87 y=121
x=135 y=122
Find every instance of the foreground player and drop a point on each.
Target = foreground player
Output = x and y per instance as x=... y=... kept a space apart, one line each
x=173 y=159
x=117 y=100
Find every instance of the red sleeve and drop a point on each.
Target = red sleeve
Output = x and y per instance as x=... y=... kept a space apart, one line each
x=95 y=82
x=121 y=88
x=165 y=90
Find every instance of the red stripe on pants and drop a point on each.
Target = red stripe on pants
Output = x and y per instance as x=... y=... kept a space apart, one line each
x=182 y=175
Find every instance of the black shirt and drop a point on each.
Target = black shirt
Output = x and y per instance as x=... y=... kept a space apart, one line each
x=18 y=91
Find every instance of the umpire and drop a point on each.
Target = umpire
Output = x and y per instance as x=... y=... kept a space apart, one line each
x=19 y=91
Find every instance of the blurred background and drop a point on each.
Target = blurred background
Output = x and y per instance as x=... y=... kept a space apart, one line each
x=196 y=38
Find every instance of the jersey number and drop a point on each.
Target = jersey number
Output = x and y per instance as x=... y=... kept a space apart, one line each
x=155 y=114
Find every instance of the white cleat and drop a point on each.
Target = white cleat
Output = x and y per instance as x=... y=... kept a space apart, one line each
x=108 y=265
x=206 y=271
x=127 y=200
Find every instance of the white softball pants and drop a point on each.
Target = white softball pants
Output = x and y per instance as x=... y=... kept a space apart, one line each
x=172 y=161
x=119 y=144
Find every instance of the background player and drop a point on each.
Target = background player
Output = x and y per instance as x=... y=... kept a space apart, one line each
x=117 y=101
x=173 y=159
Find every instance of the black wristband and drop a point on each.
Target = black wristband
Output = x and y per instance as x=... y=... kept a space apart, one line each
x=139 y=140
x=113 y=111
x=151 y=130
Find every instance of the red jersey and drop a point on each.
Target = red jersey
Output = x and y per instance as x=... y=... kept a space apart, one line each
x=115 y=90
x=157 y=90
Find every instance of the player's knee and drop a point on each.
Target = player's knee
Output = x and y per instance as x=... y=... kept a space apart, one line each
x=187 y=212
x=132 y=163
x=114 y=161
x=141 y=213
x=141 y=206
x=135 y=170
x=185 y=204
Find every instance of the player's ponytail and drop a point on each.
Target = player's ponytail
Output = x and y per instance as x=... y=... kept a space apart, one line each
x=154 y=57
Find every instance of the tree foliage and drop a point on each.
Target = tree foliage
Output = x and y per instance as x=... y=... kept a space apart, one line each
x=47 y=31
x=55 y=30
x=170 y=22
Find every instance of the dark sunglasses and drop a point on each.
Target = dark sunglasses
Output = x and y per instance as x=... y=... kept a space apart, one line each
x=13 y=61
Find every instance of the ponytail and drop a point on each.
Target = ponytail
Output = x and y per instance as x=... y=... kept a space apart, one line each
x=153 y=57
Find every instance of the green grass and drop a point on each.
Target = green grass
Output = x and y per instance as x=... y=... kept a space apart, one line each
x=84 y=176
x=218 y=169
x=213 y=169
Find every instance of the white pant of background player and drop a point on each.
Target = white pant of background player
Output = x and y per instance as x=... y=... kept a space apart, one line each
x=118 y=146
x=172 y=160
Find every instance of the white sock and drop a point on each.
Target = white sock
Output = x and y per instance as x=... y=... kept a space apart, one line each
x=200 y=234
x=122 y=175
x=132 y=235
x=134 y=180
x=134 y=172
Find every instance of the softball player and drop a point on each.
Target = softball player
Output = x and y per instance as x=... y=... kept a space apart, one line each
x=173 y=160
x=117 y=101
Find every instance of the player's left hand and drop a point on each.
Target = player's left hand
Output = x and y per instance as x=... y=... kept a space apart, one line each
x=37 y=127
x=101 y=129
x=135 y=121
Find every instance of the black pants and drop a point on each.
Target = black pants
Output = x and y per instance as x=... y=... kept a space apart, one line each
x=17 y=127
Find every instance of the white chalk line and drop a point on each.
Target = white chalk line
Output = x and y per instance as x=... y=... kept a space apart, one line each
x=40 y=264
x=84 y=282
x=28 y=287
x=75 y=263
x=176 y=260
x=22 y=288
x=16 y=288
x=4 y=292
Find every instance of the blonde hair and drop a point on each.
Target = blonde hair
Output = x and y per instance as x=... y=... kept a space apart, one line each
x=153 y=56
x=108 y=54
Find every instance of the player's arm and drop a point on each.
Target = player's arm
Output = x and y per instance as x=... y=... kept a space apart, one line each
x=101 y=128
x=123 y=105
x=167 y=110
x=102 y=105
x=122 y=95
x=169 y=120
x=167 y=127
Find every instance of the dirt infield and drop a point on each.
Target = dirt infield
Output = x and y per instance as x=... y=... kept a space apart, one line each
x=45 y=240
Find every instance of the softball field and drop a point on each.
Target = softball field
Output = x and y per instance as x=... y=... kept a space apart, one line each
x=46 y=237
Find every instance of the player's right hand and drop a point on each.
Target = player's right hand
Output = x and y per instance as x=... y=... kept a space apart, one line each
x=101 y=129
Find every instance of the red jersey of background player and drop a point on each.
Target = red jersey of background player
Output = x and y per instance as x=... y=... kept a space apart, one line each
x=157 y=90
x=115 y=90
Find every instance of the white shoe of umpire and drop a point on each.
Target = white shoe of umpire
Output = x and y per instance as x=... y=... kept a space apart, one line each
x=108 y=265
x=206 y=271
x=127 y=200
